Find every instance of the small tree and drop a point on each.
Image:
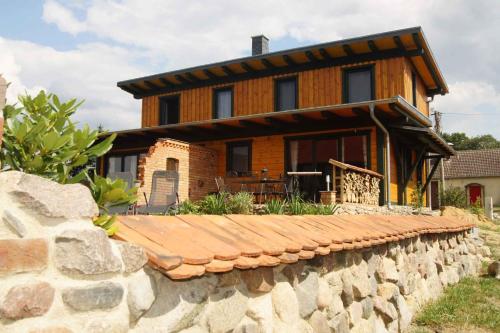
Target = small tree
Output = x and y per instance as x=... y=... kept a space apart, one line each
x=417 y=198
x=40 y=138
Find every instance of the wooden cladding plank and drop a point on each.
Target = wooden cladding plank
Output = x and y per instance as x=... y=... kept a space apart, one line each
x=316 y=87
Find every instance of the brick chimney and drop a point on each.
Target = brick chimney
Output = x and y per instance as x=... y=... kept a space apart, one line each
x=260 y=45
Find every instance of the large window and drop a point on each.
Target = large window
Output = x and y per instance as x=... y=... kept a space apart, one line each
x=355 y=150
x=239 y=158
x=358 y=85
x=169 y=110
x=286 y=94
x=223 y=103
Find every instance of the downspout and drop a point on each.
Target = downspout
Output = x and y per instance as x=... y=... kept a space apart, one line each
x=387 y=154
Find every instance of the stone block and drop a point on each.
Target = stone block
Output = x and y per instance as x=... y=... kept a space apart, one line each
x=324 y=294
x=339 y=323
x=307 y=294
x=494 y=269
x=27 y=300
x=319 y=323
x=141 y=295
x=387 y=310
x=15 y=223
x=85 y=251
x=225 y=310
x=51 y=329
x=22 y=255
x=386 y=271
x=133 y=257
x=285 y=302
x=99 y=296
x=49 y=198
x=258 y=280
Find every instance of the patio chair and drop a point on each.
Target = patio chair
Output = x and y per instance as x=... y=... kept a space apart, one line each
x=128 y=178
x=164 y=193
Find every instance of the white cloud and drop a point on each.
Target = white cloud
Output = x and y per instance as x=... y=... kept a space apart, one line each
x=62 y=17
x=87 y=73
x=472 y=107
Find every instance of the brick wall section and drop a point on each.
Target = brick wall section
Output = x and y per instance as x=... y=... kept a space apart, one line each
x=197 y=168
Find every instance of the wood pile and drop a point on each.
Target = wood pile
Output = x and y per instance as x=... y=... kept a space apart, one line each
x=361 y=188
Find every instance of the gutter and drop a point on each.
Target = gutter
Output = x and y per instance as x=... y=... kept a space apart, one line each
x=387 y=154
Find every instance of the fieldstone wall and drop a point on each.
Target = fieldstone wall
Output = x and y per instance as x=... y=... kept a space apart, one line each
x=59 y=273
x=361 y=209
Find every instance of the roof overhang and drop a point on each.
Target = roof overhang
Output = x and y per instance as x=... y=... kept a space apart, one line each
x=409 y=43
x=392 y=112
x=426 y=136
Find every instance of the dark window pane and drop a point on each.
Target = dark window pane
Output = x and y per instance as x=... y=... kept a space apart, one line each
x=355 y=150
x=359 y=86
x=223 y=103
x=301 y=155
x=326 y=149
x=169 y=110
x=286 y=95
x=240 y=159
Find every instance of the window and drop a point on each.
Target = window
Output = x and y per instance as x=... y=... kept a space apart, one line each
x=286 y=94
x=172 y=164
x=239 y=157
x=358 y=85
x=123 y=163
x=169 y=110
x=223 y=103
x=414 y=89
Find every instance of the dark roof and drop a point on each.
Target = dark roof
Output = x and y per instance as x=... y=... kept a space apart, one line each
x=471 y=164
x=409 y=42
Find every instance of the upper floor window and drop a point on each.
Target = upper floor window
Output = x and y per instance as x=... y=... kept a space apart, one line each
x=169 y=110
x=358 y=85
x=223 y=103
x=286 y=94
x=239 y=157
x=414 y=89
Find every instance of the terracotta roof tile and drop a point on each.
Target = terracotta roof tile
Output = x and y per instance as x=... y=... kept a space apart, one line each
x=188 y=246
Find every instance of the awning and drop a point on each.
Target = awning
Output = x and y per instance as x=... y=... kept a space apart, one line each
x=425 y=136
x=394 y=110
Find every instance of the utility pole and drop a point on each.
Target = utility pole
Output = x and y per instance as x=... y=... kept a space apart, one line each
x=437 y=127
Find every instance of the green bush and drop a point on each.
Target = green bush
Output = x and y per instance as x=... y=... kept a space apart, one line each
x=417 y=198
x=186 y=207
x=297 y=205
x=40 y=138
x=454 y=196
x=241 y=203
x=320 y=209
x=109 y=193
x=274 y=206
x=476 y=208
x=215 y=204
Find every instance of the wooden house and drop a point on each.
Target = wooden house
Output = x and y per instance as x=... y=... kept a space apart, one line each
x=362 y=101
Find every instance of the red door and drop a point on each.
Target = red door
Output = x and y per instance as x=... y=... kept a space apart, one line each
x=474 y=193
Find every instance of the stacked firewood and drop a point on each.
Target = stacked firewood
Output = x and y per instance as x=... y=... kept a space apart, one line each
x=361 y=188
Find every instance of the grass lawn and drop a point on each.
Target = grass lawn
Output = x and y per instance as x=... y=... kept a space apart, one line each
x=472 y=305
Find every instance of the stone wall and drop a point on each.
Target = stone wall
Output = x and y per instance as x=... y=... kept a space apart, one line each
x=59 y=273
x=361 y=209
x=197 y=168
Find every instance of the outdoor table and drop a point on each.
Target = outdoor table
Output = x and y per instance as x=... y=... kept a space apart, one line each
x=297 y=174
x=262 y=183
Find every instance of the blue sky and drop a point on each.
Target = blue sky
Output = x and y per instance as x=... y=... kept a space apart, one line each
x=81 y=48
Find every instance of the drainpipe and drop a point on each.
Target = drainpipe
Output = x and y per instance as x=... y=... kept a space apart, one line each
x=387 y=154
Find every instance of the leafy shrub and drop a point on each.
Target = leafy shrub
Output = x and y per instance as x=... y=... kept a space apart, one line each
x=215 y=204
x=40 y=138
x=476 y=208
x=186 y=207
x=297 y=206
x=274 y=206
x=454 y=196
x=241 y=203
x=109 y=193
x=321 y=209
x=417 y=198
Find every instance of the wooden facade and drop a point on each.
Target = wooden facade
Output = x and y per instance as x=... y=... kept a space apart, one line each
x=317 y=87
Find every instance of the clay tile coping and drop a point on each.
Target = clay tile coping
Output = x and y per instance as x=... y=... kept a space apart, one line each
x=187 y=246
